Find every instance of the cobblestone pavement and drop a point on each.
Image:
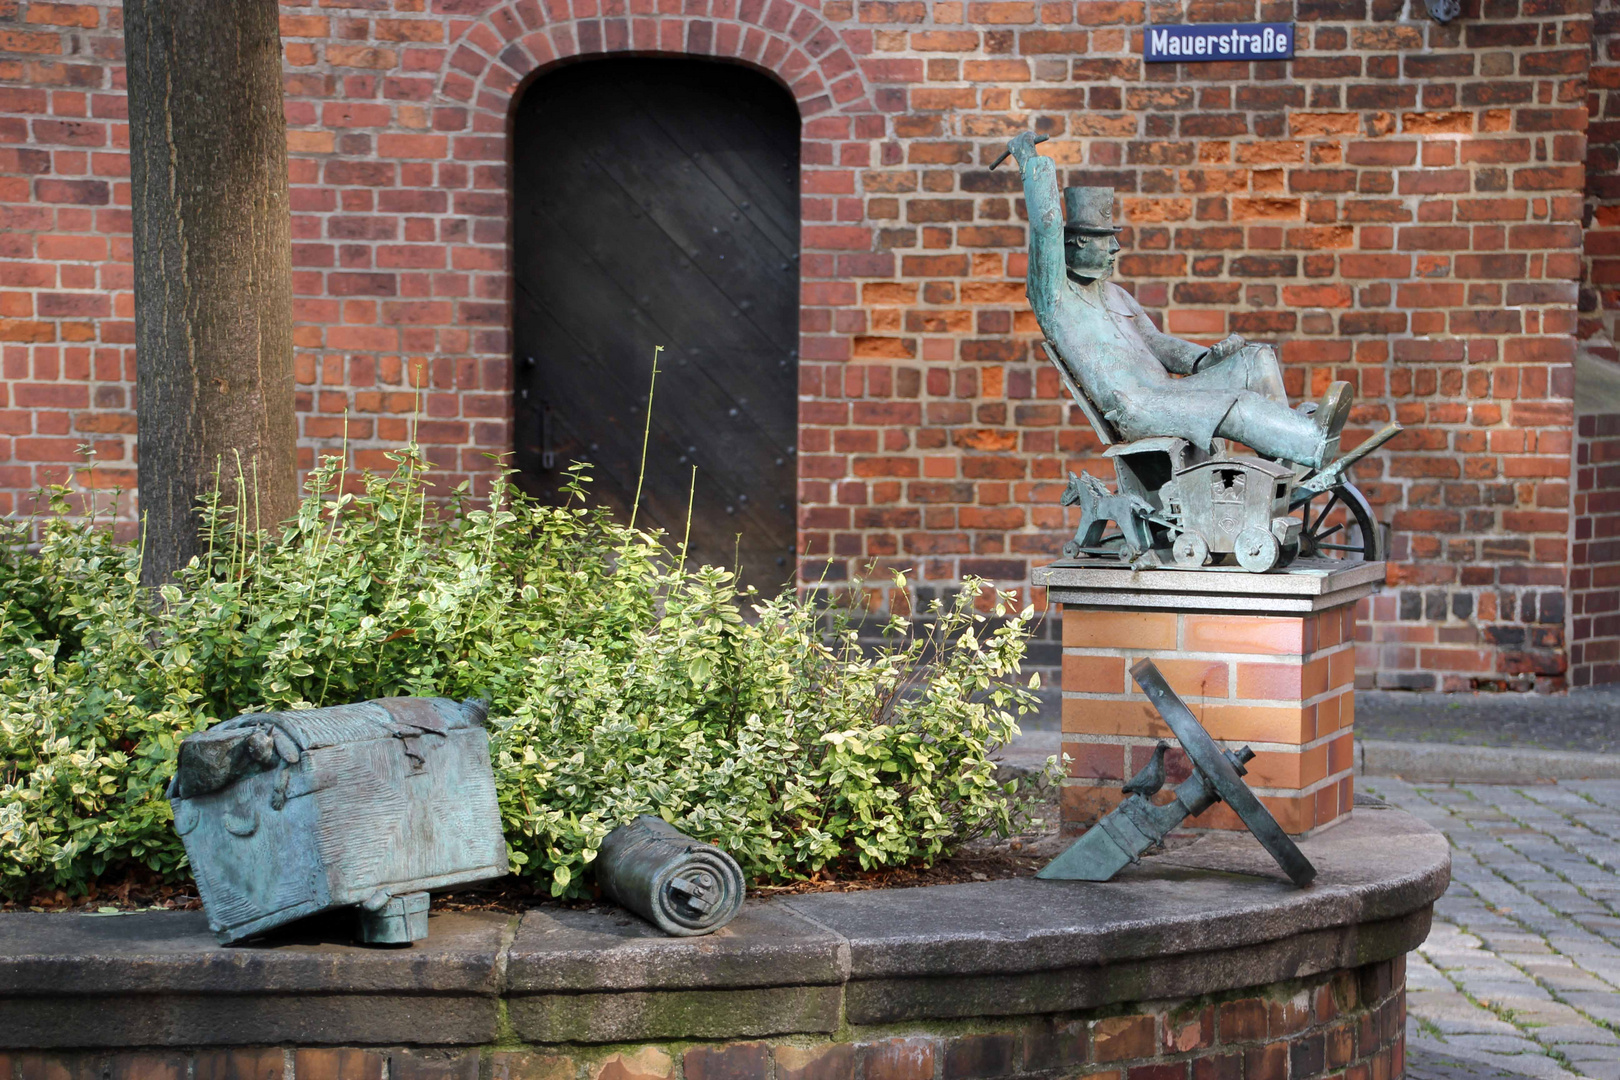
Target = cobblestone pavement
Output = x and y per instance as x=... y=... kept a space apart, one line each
x=1521 y=975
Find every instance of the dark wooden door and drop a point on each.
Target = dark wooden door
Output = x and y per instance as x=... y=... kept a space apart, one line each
x=656 y=203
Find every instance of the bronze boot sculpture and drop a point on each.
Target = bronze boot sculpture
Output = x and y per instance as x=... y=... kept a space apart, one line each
x=1160 y=403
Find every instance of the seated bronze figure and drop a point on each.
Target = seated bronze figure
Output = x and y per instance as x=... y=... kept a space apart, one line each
x=1173 y=399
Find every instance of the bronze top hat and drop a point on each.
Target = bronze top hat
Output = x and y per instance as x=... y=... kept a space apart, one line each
x=1089 y=211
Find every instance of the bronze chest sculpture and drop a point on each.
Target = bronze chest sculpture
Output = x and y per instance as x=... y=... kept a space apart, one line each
x=370 y=805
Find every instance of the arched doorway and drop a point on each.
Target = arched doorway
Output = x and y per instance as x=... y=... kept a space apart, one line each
x=655 y=202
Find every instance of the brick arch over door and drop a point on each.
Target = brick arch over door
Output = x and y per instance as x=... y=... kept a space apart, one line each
x=494 y=55
x=492 y=58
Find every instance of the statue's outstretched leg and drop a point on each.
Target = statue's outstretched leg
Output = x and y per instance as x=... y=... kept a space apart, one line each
x=1277 y=431
x=1253 y=367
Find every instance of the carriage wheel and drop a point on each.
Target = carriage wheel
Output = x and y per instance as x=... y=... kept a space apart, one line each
x=1257 y=550
x=1190 y=550
x=1339 y=524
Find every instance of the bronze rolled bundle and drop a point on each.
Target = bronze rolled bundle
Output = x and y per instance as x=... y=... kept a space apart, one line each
x=682 y=886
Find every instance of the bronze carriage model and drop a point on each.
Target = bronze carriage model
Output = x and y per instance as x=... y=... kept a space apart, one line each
x=1236 y=506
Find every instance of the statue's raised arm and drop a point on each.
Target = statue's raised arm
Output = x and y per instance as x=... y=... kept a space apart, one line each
x=1047 y=273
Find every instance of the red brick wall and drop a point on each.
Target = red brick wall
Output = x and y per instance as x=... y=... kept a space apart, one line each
x=1594 y=580
x=1399 y=206
x=1594 y=583
x=1600 y=291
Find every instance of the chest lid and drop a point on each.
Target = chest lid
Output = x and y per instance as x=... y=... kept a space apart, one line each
x=252 y=743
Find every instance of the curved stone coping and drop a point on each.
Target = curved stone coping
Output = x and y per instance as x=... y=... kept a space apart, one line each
x=1214 y=914
x=1220 y=892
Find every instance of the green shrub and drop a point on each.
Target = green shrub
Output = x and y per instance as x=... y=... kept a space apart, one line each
x=622 y=683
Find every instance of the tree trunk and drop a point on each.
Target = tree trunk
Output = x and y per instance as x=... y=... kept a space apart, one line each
x=213 y=267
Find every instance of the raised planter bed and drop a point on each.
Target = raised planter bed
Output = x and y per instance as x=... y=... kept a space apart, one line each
x=1197 y=960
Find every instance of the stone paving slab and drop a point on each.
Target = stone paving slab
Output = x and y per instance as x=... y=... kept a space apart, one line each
x=1426 y=1060
x=1581 y=721
x=1520 y=976
x=1446 y=763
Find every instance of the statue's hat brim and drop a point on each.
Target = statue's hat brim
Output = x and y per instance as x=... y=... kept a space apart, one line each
x=1092 y=230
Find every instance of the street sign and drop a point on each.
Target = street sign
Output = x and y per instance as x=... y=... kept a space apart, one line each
x=1210 y=42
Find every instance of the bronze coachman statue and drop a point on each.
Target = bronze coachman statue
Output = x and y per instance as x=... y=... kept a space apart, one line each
x=1163 y=405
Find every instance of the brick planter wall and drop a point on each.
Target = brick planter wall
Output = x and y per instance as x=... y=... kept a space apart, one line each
x=1347 y=1023
x=1400 y=206
x=1197 y=959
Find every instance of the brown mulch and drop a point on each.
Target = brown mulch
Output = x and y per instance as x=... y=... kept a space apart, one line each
x=515 y=897
x=135 y=890
x=1004 y=860
x=991 y=864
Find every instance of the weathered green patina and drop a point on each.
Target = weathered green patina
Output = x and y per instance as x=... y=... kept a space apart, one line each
x=1160 y=404
x=1137 y=824
x=1128 y=368
x=371 y=805
x=681 y=885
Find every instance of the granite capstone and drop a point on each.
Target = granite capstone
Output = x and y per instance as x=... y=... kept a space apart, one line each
x=174 y=953
x=246 y=1019
x=765 y=945
x=1309 y=585
x=882 y=1001
x=676 y=1014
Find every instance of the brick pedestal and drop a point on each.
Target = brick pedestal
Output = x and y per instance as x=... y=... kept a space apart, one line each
x=1265 y=660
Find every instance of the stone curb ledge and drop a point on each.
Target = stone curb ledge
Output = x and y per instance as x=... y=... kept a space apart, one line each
x=1209 y=915
x=1456 y=763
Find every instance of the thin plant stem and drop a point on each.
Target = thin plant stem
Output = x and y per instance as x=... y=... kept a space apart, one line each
x=213 y=522
x=258 y=529
x=419 y=382
x=686 y=537
x=646 y=436
x=240 y=548
x=331 y=537
x=408 y=464
x=140 y=551
x=241 y=515
x=489 y=551
x=337 y=503
x=91 y=476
